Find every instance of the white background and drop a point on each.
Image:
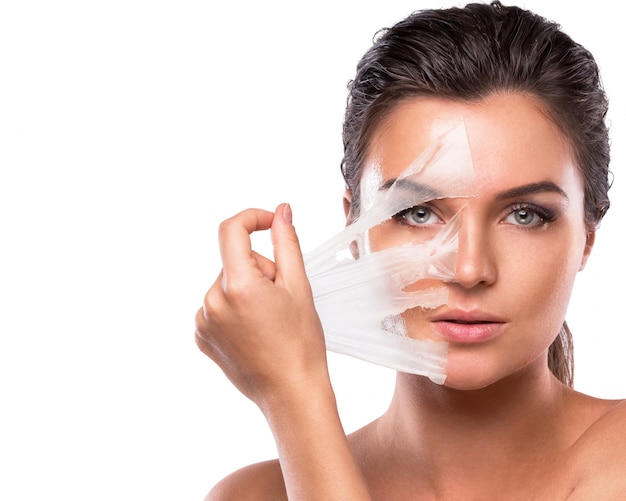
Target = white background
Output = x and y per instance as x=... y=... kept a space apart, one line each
x=128 y=131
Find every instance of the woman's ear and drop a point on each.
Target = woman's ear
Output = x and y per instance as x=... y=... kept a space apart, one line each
x=347 y=205
x=591 y=238
x=347 y=209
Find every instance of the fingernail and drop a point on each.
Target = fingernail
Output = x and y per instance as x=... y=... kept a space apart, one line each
x=287 y=215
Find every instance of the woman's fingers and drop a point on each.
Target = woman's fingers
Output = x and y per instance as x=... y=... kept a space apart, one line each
x=201 y=341
x=241 y=262
x=267 y=266
x=235 y=245
x=212 y=304
x=290 y=270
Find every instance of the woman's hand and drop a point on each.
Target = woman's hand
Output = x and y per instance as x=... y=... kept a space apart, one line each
x=258 y=321
x=259 y=324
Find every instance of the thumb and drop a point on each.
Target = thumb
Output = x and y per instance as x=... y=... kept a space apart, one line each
x=287 y=252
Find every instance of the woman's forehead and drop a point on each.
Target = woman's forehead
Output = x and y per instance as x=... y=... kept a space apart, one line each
x=508 y=140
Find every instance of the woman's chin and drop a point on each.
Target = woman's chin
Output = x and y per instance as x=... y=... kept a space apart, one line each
x=467 y=384
x=469 y=377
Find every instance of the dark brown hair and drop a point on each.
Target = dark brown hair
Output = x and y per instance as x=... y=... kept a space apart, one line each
x=471 y=52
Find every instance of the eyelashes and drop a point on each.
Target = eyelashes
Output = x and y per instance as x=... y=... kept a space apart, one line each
x=523 y=215
x=529 y=215
x=420 y=215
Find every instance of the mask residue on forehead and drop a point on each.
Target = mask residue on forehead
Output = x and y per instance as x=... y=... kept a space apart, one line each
x=360 y=295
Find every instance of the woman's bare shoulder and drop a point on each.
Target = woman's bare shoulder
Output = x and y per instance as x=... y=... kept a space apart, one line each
x=599 y=457
x=258 y=482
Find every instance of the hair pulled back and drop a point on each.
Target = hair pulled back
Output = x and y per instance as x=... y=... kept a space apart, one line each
x=467 y=54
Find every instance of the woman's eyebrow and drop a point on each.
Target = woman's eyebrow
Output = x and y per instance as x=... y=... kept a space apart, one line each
x=428 y=192
x=529 y=189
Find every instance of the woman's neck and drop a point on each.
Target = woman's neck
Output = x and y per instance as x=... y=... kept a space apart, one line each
x=476 y=432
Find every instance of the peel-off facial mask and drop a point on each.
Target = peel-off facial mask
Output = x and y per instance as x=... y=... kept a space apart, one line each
x=362 y=295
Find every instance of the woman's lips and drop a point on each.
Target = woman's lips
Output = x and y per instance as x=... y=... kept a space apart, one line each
x=468 y=327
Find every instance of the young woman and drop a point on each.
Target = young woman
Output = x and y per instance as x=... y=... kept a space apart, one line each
x=506 y=423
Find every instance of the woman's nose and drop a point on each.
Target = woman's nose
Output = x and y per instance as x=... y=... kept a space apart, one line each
x=475 y=262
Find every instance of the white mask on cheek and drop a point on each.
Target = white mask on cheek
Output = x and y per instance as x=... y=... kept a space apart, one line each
x=360 y=300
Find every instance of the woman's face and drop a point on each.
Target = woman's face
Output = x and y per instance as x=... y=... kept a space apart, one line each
x=522 y=238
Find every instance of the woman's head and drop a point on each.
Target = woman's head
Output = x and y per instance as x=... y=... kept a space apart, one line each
x=466 y=54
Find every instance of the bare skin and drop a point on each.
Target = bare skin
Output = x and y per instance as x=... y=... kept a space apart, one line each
x=582 y=460
x=501 y=427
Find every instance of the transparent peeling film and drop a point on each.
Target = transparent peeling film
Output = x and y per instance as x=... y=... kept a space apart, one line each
x=361 y=295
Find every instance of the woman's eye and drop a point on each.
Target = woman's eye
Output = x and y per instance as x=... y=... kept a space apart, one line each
x=525 y=216
x=419 y=215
